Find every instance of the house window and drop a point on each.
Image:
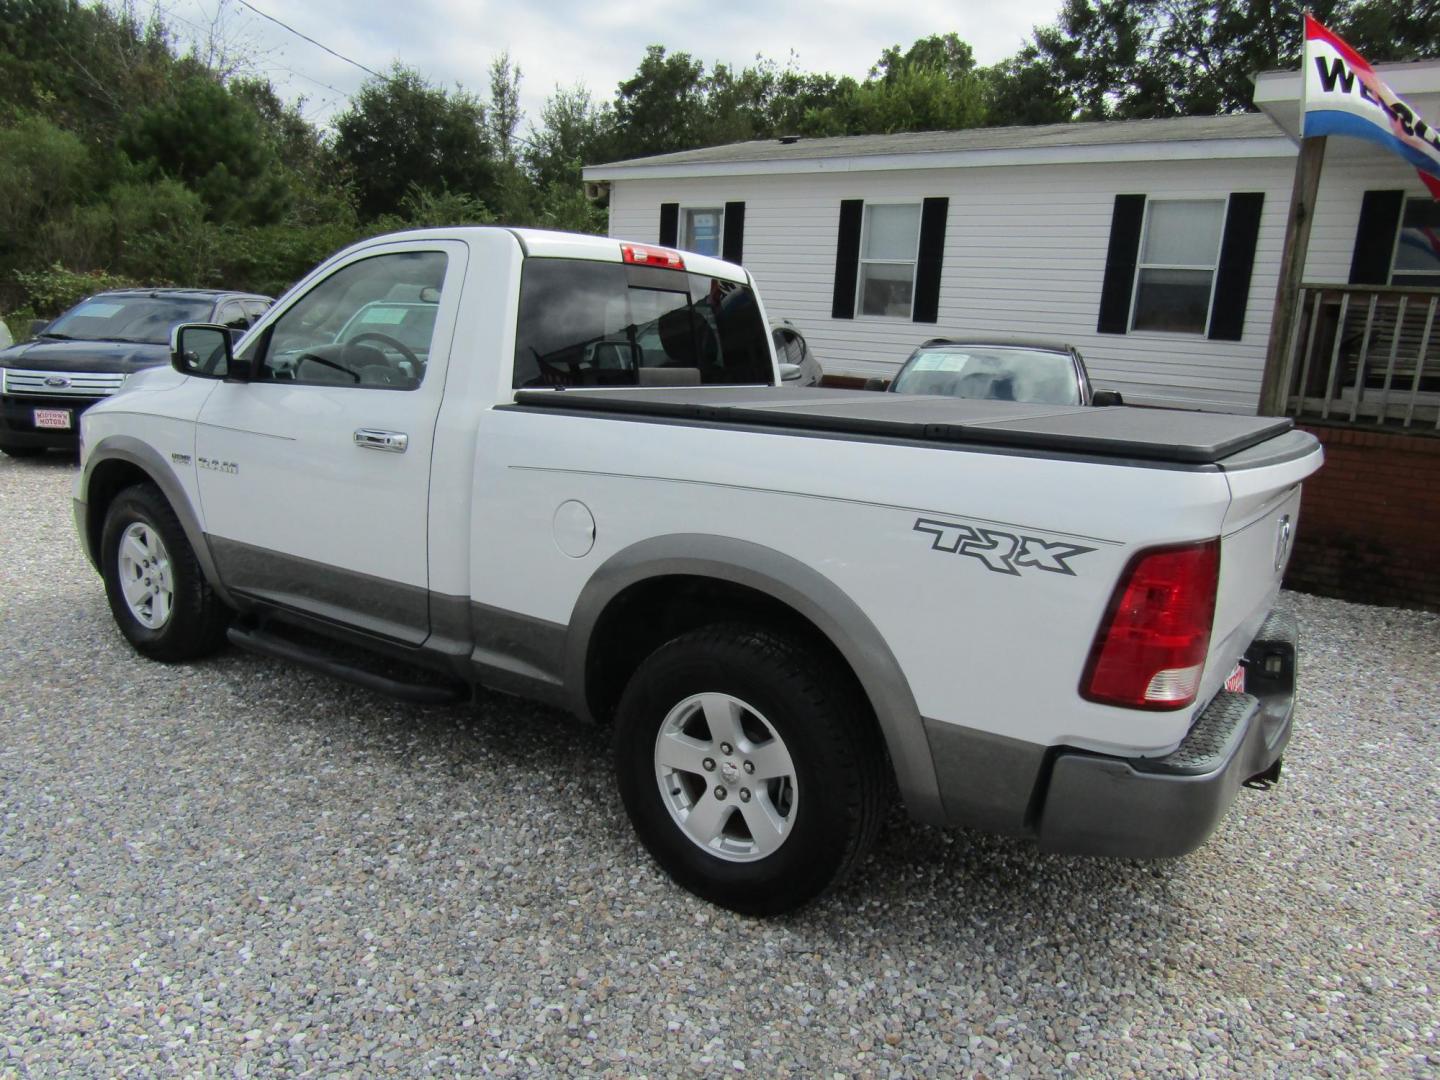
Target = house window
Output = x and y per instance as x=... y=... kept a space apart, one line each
x=889 y=247
x=1179 y=251
x=703 y=230
x=1417 y=248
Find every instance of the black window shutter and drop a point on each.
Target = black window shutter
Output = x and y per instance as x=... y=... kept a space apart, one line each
x=932 y=254
x=1375 y=237
x=733 y=249
x=847 y=258
x=1237 y=260
x=1120 y=260
x=669 y=223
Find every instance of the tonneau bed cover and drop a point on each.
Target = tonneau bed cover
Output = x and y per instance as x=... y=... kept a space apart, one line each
x=1161 y=435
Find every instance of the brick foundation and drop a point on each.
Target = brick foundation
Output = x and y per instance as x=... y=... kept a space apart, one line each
x=1370 y=520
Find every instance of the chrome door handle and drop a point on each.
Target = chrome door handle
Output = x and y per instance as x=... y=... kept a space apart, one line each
x=371 y=439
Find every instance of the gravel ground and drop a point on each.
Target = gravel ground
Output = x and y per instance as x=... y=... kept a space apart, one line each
x=239 y=867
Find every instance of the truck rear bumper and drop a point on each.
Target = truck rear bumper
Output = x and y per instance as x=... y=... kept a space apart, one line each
x=1076 y=802
x=1159 y=807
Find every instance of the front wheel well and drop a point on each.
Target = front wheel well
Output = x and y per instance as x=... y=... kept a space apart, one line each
x=650 y=613
x=107 y=480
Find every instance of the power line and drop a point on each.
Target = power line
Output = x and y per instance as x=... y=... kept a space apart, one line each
x=307 y=37
x=301 y=75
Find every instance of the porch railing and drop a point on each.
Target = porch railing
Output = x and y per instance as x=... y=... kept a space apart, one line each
x=1365 y=354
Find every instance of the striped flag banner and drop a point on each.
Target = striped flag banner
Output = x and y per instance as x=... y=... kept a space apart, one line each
x=1344 y=96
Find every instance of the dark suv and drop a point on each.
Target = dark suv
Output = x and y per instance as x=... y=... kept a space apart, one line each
x=85 y=355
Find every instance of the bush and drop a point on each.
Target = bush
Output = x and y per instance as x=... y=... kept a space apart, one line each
x=49 y=292
x=19 y=324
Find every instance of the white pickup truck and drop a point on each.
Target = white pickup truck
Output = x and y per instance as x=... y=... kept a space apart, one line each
x=562 y=467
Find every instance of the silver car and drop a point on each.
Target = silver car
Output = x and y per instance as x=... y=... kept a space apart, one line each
x=999 y=369
x=798 y=366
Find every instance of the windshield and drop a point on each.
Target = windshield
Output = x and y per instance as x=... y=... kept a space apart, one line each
x=586 y=323
x=996 y=373
x=146 y=319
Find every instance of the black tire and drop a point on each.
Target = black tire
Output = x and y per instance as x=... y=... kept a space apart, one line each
x=813 y=707
x=196 y=621
x=22 y=451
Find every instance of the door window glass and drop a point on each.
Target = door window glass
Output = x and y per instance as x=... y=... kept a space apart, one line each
x=369 y=324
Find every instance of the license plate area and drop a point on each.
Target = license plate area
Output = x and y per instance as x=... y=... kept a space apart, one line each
x=53 y=419
x=1235 y=682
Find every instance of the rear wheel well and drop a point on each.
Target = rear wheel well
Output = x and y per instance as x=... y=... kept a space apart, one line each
x=650 y=613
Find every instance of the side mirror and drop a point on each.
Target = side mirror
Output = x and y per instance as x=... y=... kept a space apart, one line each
x=876 y=384
x=36 y=325
x=790 y=373
x=1102 y=398
x=202 y=350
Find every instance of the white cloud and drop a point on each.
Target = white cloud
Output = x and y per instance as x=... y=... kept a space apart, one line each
x=599 y=44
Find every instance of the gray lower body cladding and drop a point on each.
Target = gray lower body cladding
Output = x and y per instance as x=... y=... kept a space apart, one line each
x=487 y=646
x=1080 y=803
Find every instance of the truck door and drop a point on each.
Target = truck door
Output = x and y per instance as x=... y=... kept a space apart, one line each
x=315 y=474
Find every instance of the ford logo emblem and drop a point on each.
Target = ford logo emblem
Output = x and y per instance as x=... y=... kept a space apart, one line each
x=57 y=381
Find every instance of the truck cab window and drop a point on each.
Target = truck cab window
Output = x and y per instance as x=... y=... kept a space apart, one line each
x=369 y=324
x=586 y=323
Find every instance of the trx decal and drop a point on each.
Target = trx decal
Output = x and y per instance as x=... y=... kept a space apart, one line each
x=1001 y=552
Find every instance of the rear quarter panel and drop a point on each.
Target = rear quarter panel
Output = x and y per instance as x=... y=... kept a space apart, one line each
x=987 y=645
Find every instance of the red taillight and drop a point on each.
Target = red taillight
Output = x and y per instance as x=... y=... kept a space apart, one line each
x=644 y=255
x=1151 y=648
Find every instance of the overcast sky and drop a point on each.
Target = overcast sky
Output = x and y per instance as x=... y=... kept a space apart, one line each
x=597 y=43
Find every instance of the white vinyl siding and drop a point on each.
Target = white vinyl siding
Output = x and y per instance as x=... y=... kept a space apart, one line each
x=1025 y=255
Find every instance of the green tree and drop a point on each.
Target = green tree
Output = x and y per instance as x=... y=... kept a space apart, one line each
x=766 y=100
x=153 y=232
x=1394 y=29
x=569 y=136
x=1024 y=89
x=938 y=52
x=504 y=115
x=1156 y=58
x=213 y=142
x=83 y=67
x=662 y=108
x=43 y=174
x=932 y=86
x=402 y=133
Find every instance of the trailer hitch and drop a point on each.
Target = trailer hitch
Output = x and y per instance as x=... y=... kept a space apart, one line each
x=1264 y=781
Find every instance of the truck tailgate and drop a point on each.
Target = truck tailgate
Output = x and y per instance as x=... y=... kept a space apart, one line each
x=1256 y=541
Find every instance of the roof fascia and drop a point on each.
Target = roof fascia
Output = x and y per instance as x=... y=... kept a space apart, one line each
x=1276 y=146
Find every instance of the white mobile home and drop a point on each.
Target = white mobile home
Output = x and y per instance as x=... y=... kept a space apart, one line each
x=1153 y=246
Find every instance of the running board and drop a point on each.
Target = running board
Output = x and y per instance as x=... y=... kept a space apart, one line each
x=267 y=643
